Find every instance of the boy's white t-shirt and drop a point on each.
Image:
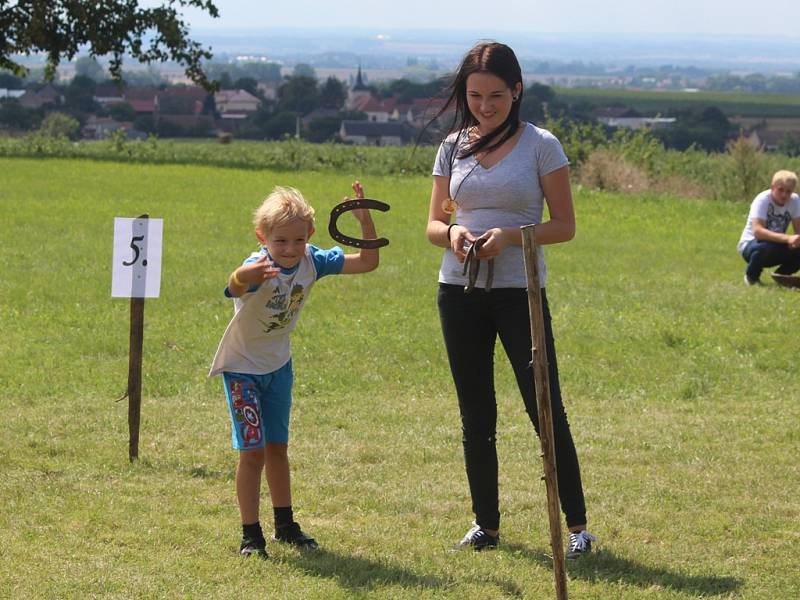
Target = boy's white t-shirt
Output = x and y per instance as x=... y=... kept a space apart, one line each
x=776 y=218
x=257 y=340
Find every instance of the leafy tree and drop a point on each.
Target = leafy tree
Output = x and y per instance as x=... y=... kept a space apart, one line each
x=225 y=81
x=707 y=128
x=145 y=123
x=332 y=93
x=79 y=94
x=59 y=125
x=406 y=90
x=261 y=72
x=304 y=70
x=87 y=66
x=535 y=98
x=790 y=144
x=247 y=84
x=149 y=77
x=60 y=28
x=323 y=129
x=298 y=94
x=15 y=116
x=12 y=82
x=122 y=111
x=280 y=125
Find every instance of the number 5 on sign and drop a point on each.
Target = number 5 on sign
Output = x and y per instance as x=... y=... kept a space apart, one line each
x=137 y=258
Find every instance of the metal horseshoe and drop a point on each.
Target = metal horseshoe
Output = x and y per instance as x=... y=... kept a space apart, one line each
x=348 y=205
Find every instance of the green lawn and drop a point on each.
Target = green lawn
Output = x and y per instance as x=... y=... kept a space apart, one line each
x=677 y=379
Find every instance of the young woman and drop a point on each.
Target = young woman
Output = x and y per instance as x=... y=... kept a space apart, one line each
x=493 y=174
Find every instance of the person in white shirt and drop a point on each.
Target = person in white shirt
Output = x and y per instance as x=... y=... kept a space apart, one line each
x=764 y=241
x=254 y=356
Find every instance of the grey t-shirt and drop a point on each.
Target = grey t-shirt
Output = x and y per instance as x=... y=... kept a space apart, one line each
x=507 y=194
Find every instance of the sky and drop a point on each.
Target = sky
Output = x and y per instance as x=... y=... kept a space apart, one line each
x=780 y=18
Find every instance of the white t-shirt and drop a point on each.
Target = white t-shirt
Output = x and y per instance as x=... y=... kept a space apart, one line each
x=257 y=340
x=507 y=194
x=776 y=218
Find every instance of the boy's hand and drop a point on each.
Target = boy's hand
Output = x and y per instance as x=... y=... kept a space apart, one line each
x=258 y=271
x=362 y=214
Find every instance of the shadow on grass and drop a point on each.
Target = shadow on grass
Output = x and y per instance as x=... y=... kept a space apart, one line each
x=361 y=574
x=604 y=565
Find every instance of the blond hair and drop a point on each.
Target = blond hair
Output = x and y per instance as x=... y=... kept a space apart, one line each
x=787 y=178
x=284 y=204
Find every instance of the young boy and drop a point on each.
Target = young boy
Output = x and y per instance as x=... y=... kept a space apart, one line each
x=764 y=241
x=254 y=355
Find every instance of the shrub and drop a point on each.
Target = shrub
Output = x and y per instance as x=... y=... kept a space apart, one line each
x=59 y=125
x=745 y=172
x=605 y=169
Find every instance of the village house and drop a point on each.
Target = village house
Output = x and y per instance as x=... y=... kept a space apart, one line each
x=47 y=95
x=6 y=93
x=628 y=118
x=144 y=100
x=108 y=94
x=369 y=133
x=100 y=128
x=235 y=104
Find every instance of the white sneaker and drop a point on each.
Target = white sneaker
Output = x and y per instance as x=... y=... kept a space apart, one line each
x=580 y=543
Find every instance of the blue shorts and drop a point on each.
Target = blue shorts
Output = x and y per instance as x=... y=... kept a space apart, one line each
x=259 y=407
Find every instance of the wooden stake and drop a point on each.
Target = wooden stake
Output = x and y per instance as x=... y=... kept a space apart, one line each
x=135 y=373
x=135 y=376
x=541 y=383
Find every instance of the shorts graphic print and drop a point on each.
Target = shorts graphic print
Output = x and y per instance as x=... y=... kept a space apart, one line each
x=259 y=407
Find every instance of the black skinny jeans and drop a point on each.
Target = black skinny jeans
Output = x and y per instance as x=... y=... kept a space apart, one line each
x=471 y=324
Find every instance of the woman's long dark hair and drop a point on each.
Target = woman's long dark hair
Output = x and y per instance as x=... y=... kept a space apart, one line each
x=487 y=57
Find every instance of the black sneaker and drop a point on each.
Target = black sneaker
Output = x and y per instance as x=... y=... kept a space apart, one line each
x=478 y=539
x=751 y=282
x=293 y=535
x=253 y=547
x=580 y=543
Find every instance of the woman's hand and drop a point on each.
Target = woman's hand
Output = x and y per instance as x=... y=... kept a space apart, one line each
x=460 y=241
x=496 y=240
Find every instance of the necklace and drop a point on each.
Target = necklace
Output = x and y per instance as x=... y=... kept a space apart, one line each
x=449 y=204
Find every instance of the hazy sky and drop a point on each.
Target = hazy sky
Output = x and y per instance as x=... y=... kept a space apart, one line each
x=737 y=17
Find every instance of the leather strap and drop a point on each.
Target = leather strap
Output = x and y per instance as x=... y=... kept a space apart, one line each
x=354 y=204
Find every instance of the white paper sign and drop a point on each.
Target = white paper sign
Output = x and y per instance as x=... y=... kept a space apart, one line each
x=137 y=258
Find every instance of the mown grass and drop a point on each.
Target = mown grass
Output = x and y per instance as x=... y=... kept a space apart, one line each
x=677 y=380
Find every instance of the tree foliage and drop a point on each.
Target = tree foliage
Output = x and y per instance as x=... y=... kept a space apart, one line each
x=58 y=125
x=298 y=94
x=60 y=28
x=332 y=93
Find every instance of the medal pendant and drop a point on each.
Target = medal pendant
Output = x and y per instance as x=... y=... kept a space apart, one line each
x=449 y=206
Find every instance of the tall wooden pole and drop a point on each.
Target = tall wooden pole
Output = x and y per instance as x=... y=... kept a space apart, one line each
x=135 y=377
x=135 y=373
x=541 y=383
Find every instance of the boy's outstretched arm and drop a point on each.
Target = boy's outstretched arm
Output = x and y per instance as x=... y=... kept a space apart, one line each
x=364 y=260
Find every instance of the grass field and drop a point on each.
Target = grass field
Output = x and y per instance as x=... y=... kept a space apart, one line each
x=677 y=378
x=731 y=103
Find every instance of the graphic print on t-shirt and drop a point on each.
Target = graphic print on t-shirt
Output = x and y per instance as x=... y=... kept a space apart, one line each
x=777 y=222
x=286 y=308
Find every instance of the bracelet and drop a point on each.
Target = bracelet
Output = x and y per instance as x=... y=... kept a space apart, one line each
x=236 y=279
x=448 y=230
